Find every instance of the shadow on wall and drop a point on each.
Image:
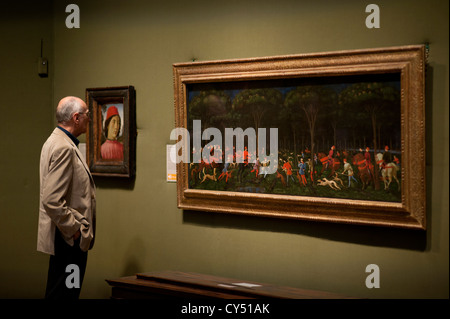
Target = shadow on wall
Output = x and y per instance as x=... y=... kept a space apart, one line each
x=115 y=182
x=364 y=235
x=134 y=258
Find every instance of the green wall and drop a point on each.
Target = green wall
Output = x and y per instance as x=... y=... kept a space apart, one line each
x=139 y=227
x=27 y=118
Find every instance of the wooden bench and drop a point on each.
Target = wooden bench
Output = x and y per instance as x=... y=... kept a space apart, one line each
x=176 y=284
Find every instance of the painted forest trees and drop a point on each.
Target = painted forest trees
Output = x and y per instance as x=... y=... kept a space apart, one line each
x=256 y=106
x=310 y=100
x=370 y=100
x=349 y=115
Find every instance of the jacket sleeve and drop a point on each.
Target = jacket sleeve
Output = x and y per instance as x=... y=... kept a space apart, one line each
x=56 y=188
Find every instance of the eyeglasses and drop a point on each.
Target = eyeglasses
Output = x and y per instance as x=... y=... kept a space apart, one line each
x=88 y=114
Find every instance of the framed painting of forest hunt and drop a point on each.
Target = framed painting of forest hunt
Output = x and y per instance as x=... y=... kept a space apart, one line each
x=111 y=134
x=334 y=136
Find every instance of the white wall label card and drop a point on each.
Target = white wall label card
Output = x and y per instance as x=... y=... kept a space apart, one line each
x=171 y=163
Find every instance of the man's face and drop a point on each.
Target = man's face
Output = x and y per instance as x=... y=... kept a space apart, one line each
x=84 y=118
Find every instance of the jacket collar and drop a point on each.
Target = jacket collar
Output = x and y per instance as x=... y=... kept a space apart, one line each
x=70 y=135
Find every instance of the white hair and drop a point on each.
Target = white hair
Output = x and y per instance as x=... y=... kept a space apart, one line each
x=67 y=108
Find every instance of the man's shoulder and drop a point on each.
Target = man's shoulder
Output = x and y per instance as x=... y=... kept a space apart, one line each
x=58 y=136
x=57 y=143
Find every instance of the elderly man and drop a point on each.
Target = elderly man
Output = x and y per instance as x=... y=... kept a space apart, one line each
x=67 y=202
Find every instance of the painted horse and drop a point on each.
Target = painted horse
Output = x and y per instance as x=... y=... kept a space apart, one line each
x=335 y=164
x=388 y=171
x=365 y=169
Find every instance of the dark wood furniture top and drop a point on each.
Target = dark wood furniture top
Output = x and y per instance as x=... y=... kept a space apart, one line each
x=176 y=284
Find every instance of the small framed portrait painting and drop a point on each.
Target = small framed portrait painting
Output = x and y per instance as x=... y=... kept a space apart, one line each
x=111 y=135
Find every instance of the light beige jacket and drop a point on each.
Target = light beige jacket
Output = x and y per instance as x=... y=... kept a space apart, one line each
x=67 y=196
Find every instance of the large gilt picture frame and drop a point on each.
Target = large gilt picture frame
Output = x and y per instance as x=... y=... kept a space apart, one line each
x=349 y=128
x=111 y=134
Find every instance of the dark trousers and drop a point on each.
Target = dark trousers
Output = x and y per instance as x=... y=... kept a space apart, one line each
x=58 y=272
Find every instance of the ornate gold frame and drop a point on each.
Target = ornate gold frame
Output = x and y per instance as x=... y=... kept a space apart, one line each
x=409 y=61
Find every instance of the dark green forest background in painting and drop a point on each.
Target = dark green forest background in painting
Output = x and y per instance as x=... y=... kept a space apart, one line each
x=338 y=137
